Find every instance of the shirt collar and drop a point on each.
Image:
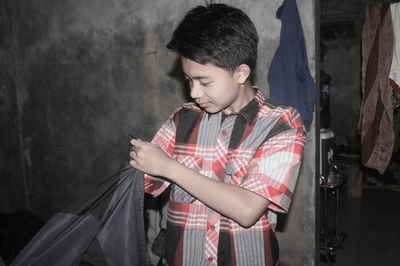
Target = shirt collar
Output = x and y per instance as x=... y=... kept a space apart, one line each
x=249 y=112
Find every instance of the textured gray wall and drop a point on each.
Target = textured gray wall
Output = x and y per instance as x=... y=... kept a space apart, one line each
x=11 y=183
x=298 y=236
x=85 y=74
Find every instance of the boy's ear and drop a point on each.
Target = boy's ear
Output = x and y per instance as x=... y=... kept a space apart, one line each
x=243 y=72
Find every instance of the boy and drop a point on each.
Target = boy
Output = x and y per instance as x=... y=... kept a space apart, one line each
x=232 y=157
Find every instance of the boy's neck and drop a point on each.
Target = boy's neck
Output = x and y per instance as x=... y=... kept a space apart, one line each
x=246 y=95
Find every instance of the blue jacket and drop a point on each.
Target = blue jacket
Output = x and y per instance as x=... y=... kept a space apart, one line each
x=289 y=77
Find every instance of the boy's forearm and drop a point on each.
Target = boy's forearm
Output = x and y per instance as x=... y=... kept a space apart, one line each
x=234 y=202
x=241 y=205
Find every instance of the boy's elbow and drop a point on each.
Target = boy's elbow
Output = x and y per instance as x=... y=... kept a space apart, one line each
x=251 y=210
x=247 y=223
x=250 y=217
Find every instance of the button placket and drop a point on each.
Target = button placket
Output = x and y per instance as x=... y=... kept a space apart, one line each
x=213 y=221
x=212 y=236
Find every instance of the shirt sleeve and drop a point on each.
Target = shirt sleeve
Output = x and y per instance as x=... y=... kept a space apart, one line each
x=165 y=139
x=274 y=169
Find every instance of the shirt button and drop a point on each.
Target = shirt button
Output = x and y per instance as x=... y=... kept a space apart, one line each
x=224 y=132
x=210 y=259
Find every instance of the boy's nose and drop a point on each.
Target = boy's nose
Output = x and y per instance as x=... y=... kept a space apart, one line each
x=196 y=91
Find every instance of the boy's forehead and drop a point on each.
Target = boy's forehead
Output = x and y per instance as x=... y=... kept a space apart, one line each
x=191 y=67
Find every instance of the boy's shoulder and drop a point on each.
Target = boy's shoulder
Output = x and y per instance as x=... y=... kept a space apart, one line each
x=271 y=107
x=281 y=112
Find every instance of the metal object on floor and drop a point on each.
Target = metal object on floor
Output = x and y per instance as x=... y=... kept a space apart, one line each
x=331 y=236
x=331 y=186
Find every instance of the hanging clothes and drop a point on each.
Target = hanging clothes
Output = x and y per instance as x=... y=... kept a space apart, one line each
x=395 y=68
x=103 y=227
x=376 y=115
x=290 y=81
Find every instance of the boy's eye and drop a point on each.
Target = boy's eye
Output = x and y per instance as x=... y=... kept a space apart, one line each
x=205 y=84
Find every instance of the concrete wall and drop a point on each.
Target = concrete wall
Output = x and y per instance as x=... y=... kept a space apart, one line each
x=80 y=76
x=299 y=234
x=11 y=172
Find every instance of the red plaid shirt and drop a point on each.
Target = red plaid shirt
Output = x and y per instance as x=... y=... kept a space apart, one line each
x=259 y=149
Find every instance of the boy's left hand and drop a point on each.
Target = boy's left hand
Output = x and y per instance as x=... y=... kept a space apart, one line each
x=148 y=158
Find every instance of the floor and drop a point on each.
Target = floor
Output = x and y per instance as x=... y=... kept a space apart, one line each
x=372 y=226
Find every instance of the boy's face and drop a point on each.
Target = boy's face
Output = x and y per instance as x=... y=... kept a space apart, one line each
x=215 y=89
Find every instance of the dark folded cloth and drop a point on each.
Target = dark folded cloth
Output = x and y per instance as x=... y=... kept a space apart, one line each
x=105 y=226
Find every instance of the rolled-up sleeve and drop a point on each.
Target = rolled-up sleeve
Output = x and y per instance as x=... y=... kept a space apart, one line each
x=165 y=139
x=274 y=169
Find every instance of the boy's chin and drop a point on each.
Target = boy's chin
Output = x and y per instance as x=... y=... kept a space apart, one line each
x=211 y=110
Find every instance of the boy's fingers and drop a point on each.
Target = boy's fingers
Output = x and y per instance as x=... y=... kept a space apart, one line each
x=136 y=142
x=133 y=163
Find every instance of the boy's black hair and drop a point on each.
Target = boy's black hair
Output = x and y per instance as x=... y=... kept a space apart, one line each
x=218 y=34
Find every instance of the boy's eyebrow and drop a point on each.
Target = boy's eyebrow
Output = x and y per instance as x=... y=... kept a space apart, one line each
x=198 y=77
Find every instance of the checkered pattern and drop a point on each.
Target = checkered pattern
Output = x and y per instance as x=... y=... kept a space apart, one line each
x=258 y=149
